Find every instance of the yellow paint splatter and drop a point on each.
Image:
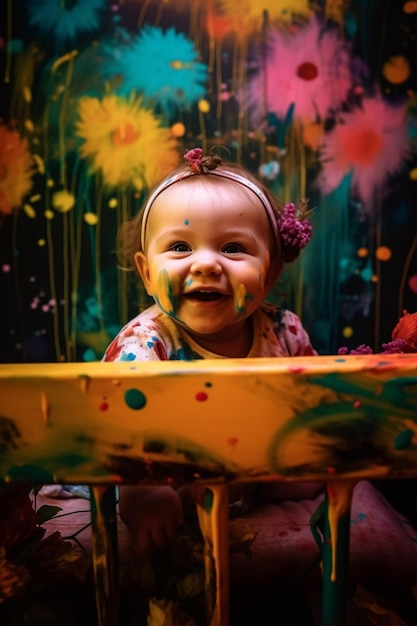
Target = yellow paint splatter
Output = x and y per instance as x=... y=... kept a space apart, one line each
x=204 y=106
x=27 y=94
x=29 y=210
x=347 y=331
x=39 y=163
x=63 y=201
x=91 y=218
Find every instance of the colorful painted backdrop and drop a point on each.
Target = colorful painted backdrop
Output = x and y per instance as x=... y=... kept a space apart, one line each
x=99 y=99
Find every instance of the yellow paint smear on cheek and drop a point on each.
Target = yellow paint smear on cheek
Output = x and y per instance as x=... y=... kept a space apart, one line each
x=167 y=292
x=339 y=500
x=240 y=299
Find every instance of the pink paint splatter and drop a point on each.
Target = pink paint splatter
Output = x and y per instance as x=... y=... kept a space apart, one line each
x=309 y=68
x=370 y=142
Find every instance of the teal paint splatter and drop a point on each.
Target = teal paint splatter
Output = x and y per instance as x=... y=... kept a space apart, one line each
x=127 y=356
x=403 y=439
x=186 y=222
x=135 y=399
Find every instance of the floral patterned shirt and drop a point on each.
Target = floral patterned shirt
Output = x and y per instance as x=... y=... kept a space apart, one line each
x=153 y=336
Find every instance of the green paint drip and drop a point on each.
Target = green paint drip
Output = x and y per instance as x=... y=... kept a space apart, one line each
x=208 y=498
x=135 y=399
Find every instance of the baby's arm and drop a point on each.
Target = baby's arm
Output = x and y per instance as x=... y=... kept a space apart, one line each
x=152 y=514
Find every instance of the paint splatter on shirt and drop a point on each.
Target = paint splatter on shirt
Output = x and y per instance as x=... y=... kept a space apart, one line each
x=154 y=336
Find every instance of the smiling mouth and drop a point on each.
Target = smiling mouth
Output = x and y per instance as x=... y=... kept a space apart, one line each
x=205 y=296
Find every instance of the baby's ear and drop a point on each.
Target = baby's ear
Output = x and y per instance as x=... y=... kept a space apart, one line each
x=143 y=269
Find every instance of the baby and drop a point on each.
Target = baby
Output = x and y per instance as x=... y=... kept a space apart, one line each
x=209 y=244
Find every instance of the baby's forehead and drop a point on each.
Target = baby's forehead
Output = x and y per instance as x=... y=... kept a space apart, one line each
x=209 y=188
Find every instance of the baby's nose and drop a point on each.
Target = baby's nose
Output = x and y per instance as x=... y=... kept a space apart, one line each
x=206 y=262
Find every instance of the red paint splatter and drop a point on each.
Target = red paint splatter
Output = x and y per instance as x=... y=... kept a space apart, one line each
x=104 y=406
x=293 y=329
x=331 y=470
x=296 y=370
x=356 y=405
x=232 y=440
x=201 y=396
x=307 y=71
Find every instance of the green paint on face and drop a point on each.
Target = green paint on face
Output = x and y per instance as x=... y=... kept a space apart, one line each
x=168 y=294
x=135 y=399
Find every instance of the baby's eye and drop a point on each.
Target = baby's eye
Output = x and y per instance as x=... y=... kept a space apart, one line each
x=233 y=248
x=180 y=246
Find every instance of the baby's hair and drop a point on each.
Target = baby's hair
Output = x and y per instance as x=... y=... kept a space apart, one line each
x=290 y=233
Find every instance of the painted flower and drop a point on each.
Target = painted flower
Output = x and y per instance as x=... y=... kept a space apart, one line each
x=16 y=169
x=370 y=143
x=307 y=69
x=125 y=141
x=163 y=67
x=247 y=15
x=64 y=20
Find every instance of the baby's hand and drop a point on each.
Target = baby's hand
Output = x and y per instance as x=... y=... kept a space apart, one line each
x=152 y=514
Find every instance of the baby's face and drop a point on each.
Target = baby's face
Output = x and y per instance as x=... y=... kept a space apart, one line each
x=207 y=255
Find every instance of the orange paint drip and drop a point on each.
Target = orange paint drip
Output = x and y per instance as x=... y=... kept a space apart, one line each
x=45 y=408
x=340 y=497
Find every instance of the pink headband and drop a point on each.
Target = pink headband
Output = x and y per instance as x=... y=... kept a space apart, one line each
x=292 y=228
x=215 y=172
